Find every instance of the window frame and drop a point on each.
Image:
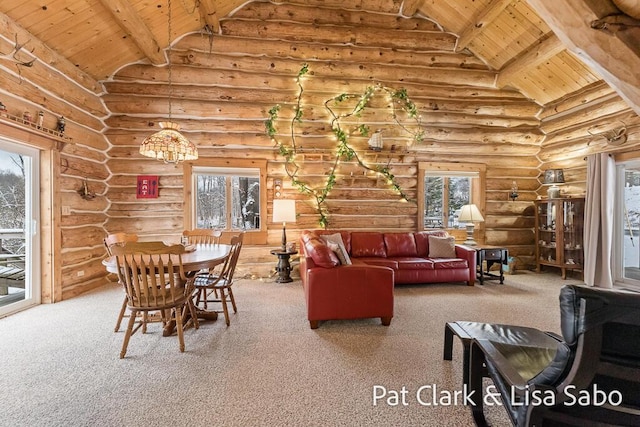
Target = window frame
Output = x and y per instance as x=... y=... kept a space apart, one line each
x=622 y=160
x=252 y=237
x=478 y=191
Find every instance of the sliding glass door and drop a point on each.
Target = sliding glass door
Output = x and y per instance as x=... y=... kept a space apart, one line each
x=627 y=253
x=19 y=236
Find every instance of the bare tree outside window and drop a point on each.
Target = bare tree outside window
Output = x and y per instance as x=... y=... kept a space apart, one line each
x=12 y=200
x=227 y=202
x=444 y=196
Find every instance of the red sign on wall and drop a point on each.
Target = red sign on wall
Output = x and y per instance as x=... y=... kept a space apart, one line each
x=147 y=187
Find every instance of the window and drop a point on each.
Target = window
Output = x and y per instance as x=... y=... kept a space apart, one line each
x=627 y=224
x=228 y=196
x=443 y=188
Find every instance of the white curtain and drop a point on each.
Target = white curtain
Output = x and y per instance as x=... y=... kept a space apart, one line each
x=598 y=220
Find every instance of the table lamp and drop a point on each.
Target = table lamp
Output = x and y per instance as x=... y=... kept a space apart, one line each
x=284 y=211
x=553 y=177
x=470 y=214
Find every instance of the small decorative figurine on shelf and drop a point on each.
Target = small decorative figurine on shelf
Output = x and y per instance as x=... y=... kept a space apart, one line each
x=514 y=191
x=3 y=110
x=61 y=125
x=40 y=119
x=27 y=117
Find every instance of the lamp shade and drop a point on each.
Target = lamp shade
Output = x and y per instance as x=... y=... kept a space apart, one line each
x=553 y=176
x=169 y=145
x=284 y=210
x=470 y=213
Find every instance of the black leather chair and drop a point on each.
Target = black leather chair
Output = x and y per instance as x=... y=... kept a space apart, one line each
x=592 y=377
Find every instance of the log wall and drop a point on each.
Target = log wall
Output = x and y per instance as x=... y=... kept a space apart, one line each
x=72 y=248
x=222 y=92
x=223 y=89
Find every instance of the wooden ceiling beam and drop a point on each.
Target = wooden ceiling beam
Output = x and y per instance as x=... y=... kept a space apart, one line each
x=613 y=59
x=209 y=14
x=481 y=21
x=135 y=28
x=10 y=29
x=532 y=57
x=410 y=7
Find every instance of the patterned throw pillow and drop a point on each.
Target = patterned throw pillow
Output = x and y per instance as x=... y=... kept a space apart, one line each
x=442 y=247
x=335 y=243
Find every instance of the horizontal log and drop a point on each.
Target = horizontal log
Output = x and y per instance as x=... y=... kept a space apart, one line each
x=148 y=208
x=80 y=257
x=596 y=127
x=73 y=109
x=336 y=34
x=509 y=237
x=587 y=95
x=312 y=52
x=80 y=237
x=82 y=219
x=336 y=15
x=608 y=105
x=77 y=166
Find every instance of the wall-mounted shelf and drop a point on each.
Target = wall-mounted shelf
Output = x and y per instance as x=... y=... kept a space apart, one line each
x=20 y=123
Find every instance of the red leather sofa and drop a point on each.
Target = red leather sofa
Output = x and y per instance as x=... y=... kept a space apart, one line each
x=379 y=261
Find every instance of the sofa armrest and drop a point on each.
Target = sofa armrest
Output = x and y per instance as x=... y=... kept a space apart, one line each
x=468 y=253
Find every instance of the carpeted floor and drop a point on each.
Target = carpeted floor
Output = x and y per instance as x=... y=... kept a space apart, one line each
x=60 y=362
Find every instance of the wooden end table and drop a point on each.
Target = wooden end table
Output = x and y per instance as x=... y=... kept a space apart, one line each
x=284 y=267
x=492 y=255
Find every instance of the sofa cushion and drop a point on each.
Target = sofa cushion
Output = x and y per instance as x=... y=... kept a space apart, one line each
x=422 y=240
x=345 y=234
x=442 y=247
x=413 y=263
x=400 y=244
x=367 y=244
x=320 y=253
x=335 y=243
x=449 y=263
x=383 y=262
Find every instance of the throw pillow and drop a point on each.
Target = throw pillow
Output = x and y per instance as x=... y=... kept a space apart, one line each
x=320 y=253
x=335 y=243
x=442 y=247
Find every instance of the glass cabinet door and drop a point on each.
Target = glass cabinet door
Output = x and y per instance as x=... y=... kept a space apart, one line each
x=573 y=228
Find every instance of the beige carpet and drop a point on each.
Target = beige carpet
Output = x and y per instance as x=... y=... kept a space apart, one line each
x=60 y=362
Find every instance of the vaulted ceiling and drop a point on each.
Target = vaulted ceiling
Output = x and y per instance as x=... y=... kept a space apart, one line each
x=547 y=50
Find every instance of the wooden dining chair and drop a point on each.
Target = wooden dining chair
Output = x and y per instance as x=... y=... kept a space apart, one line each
x=119 y=239
x=155 y=281
x=202 y=236
x=217 y=288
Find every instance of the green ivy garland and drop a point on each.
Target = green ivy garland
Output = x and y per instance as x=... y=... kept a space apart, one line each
x=344 y=150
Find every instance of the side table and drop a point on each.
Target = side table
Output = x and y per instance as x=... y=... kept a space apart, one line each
x=284 y=267
x=492 y=255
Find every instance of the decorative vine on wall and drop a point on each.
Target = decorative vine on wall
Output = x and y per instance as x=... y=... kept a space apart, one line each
x=344 y=150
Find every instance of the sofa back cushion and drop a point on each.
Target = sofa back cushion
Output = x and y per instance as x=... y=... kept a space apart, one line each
x=319 y=252
x=400 y=244
x=367 y=244
x=422 y=240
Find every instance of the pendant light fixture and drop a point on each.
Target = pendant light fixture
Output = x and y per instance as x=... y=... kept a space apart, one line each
x=168 y=144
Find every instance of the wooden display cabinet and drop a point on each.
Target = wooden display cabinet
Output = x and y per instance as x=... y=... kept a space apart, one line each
x=559 y=227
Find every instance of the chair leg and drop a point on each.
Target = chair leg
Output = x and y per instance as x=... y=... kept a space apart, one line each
x=194 y=313
x=233 y=300
x=223 y=300
x=128 y=333
x=123 y=309
x=178 y=317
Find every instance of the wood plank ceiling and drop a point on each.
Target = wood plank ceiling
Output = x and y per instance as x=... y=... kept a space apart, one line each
x=90 y=40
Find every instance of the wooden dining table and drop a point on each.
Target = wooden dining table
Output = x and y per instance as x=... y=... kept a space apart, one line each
x=201 y=257
x=195 y=259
